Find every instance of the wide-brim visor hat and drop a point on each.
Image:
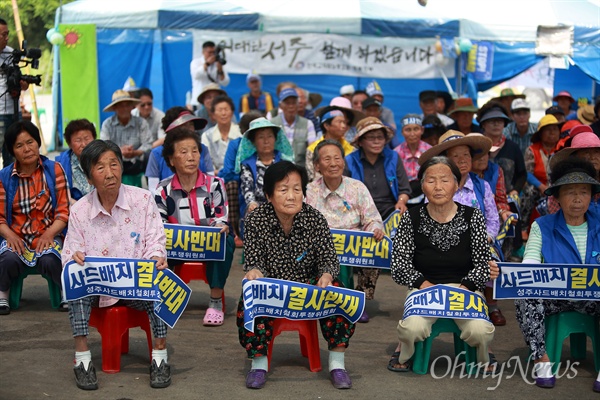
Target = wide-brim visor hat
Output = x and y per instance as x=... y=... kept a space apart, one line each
x=369 y=124
x=547 y=120
x=341 y=104
x=120 y=96
x=572 y=178
x=184 y=117
x=479 y=145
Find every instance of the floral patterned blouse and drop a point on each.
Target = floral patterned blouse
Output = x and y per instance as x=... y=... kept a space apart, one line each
x=350 y=206
x=306 y=253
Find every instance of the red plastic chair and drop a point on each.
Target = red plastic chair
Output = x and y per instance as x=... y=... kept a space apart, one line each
x=195 y=271
x=309 y=339
x=113 y=324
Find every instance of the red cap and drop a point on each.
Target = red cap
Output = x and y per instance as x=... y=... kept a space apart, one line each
x=564 y=93
x=580 y=129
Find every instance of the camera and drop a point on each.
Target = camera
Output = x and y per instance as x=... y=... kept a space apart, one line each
x=11 y=68
x=220 y=54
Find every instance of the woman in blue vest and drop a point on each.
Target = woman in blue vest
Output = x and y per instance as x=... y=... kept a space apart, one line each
x=34 y=210
x=382 y=172
x=78 y=133
x=262 y=145
x=571 y=236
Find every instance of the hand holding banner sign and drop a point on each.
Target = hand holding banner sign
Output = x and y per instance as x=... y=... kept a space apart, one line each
x=128 y=279
x=359 y=249
x=279 y=298
x=29 y=257
x=548 y=281
x=444 y=301
x=195 y=243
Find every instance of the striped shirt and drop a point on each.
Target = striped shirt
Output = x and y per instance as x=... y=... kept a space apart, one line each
x=522 y=141
x=32 y=211
x=533 y=249
x=136 y=133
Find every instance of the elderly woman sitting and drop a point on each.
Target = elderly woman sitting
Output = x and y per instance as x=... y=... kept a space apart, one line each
x=346 y=204
x=34 y=208
x=335 y=120
x=570 y=236
x=191 y=197
x=78 y=133
x=441 y=242
x=263 y=144
x=97 y=225
x=288 y=239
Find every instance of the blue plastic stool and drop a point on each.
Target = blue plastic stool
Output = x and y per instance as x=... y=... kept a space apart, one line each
x=16 y=289
x=576 y=326
x=423 y=349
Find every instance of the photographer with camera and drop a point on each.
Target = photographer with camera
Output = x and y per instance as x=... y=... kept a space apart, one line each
x=7 y=112
x=208 y=69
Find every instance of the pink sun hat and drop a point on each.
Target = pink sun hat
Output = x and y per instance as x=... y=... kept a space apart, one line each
x=583 y=138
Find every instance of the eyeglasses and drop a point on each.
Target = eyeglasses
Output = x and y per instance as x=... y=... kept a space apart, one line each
x=4 y=34
x=146 y=104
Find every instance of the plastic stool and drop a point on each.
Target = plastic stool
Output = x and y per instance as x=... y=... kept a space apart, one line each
x=309 y=339
x=576 y=326
x=195 y=271
x=133 y=180
x=113 y=324
x=423 y=349
x=16 y=289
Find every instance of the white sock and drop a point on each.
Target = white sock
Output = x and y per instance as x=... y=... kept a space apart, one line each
x=217 y=303
x=598 y=378
x=260 y=363
x=543 y=369
x=336 y=360
x=84 y=357
x=159 y=355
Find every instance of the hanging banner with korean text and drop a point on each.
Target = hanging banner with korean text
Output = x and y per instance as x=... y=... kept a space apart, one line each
x=323 y=54
x=444 y=301
x=194 y=243
x=548 y=281
x=29 y=257
x=359 y=249
x=279 y=298
x=390 y=225
x=122 y=278
x=174 y=294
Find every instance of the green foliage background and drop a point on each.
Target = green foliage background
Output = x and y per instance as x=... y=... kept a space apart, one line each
x=37 y=16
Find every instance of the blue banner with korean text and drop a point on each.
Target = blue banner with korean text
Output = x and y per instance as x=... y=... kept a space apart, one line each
x=444 y=301
x=174 y=294
x=359 y=249
x=29 y=257
x=122 y=278
x=390 y=225
x=279 y=298
x=548 y=281
x=194 y=243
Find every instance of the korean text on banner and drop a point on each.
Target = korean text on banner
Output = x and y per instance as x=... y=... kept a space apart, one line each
x=121 y=278
x=444 y=301
x=174 y=294
x=390 y=225
x=279 y=298
x=195 y=243
x=548 y=281
x=359 y=249
x=311 y=53
x=29 y=257
x=79 y=73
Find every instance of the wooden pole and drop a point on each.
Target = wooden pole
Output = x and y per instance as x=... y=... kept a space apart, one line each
x=34 y=111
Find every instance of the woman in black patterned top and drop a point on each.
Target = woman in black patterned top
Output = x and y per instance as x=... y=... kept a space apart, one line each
x=441 y=242
x=288 y=239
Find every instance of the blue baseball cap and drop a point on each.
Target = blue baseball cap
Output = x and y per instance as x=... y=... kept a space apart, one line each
x=286 y=93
